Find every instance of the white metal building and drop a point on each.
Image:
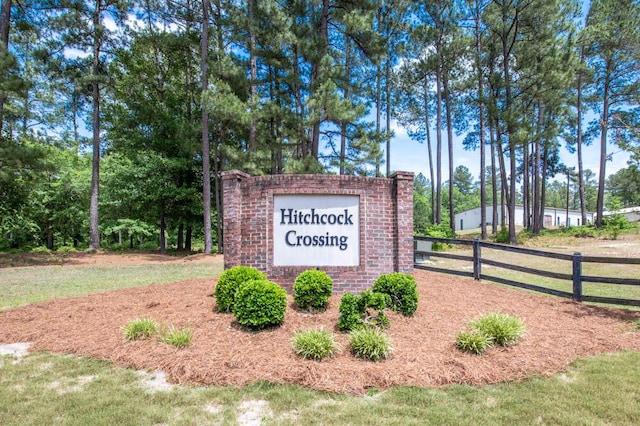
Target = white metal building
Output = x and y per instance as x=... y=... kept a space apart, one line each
x=553 y=218
x=631 y=213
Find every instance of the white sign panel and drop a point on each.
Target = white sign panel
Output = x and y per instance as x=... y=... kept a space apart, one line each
x=316 y=230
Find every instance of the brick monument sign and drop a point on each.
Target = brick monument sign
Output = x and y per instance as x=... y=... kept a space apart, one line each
x=353 y=228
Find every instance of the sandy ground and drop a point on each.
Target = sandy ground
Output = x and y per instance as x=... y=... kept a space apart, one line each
x=222 y=353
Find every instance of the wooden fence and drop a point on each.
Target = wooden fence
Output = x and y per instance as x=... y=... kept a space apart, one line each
x=576 y=277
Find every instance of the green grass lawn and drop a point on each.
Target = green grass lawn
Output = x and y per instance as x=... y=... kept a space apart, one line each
x=61 y=390
x=45 y=389
x=21 y=286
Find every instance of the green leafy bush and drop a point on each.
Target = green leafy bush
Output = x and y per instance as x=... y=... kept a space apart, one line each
x=473 y=341
x=360 y=311
x=350 y=313
x=314 y=344
x=502 y=329
x=439 y=231
x=312 y=289
x=259 y=304
x=502 y=236
x=229 y=282
x=40 y=250
x=178 y=337
x=66 y=249
x=402 y=291
x=140 y=328
x=370 y=344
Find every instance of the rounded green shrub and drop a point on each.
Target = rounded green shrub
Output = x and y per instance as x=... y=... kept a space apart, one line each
x=402 y=291
x=473 y=341
x=229 y=282
x=356 y=311
x=259 y=304
x=314 y=344
x=370 y=344
x=502 y=329
x=312 y=289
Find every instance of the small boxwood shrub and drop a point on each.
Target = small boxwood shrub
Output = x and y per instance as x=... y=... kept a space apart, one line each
x=502 y=329
x=365 y=310
x=314 y=344
x=312 y=289
x=473 y=341
x=402 y=291
x=229 y=282
x=370 y=344
x=259 y=304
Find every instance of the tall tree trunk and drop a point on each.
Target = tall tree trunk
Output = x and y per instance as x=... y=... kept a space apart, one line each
x=347 y=78
x=543 y=180
x=206 y=154
x=604 y=126
x=187 y=239
x=251 y=144
x=447 y=101
x=163 y=235
x=378 y=111
x=180 y=243
x=538 y=212
x=5 y=25
x=388 y=112
x=583 y=207
x=217 y=166
x=438 y=143
x=427 y=127
x=315 y=74
x=525 y=186
x=494 y=184
x=483 y=184
x=94 y=230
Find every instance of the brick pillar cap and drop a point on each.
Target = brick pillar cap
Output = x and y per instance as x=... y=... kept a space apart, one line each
x=234 y=174
x=402 y=176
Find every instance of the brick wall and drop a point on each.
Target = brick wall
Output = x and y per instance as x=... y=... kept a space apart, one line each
x=386 y=224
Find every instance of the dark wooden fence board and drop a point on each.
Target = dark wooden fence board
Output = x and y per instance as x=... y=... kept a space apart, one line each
x=444 y=271
x=533 y=287
x=527 y=270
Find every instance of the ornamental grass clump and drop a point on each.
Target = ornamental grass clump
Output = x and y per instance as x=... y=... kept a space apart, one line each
x=473 y=341
x=312 y=289
x=179 y=338
x=260 y=304
x=140 y=328
x=229 y=282
x=314 y=344
x=503 y=329
x=370 y=344
x=402 y=291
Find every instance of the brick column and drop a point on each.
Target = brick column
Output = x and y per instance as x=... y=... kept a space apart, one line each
x=403 y=183
x=232 y=219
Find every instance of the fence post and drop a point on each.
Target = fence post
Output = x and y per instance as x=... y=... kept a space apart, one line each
x=577 y=277
x=477 y=253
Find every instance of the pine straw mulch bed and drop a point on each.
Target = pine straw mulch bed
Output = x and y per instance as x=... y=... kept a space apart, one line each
x=558 y=332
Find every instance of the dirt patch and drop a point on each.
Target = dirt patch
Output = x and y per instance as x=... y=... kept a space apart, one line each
x=222 y=353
